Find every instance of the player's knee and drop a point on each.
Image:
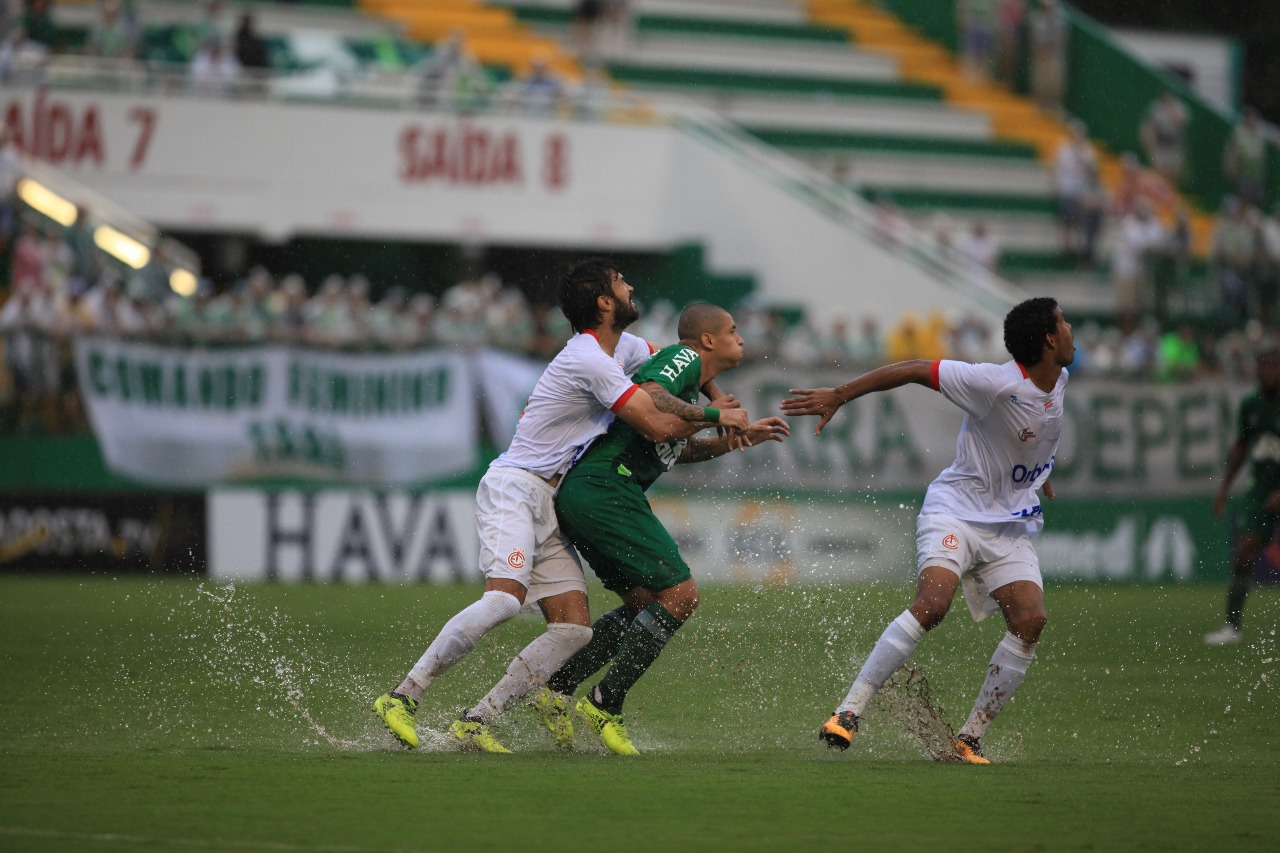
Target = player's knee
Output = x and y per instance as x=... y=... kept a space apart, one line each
x=930 y=610
x=570 y=635
x=1028 y=626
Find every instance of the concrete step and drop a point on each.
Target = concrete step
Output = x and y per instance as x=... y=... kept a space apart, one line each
x=830 y=61
x=816 y=112
x=765 y=11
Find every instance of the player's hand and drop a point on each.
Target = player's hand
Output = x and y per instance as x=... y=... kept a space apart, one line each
x=813 y=401
x=727 y=401
x=1220 y=503
x=735 y=420
x=1048 y=490
x=765 y=429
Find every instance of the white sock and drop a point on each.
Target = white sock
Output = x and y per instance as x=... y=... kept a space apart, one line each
x=532 y=667
x=893 y=648
x=1007 y=669
x=459 y=635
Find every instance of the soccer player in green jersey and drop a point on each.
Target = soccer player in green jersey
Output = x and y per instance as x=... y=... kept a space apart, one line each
x=603 y=510
x=1258 y=440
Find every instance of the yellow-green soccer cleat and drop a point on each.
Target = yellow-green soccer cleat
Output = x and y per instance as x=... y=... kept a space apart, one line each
x=613 y=734
x=475 y=733
x=969 y=749
x=396 y=711
x=553 y=707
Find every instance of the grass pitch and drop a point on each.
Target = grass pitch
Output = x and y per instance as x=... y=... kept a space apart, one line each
x=164 y=714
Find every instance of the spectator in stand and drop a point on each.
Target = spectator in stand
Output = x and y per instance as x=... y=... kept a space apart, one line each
x=212 y=26
x=422 y=309
x=1140 y=235
x=252 y=54
x=1268 y=275
x=85 y=266
x=1244 y=160
x=1074 y=164
x=1137 y=182
x=1178 y=355
x=111 y=38
x=28 y=260
x=1049 y=33
x=617 y=21
x=1011 y=15
x=1170 y=265
x=837 y=346
x=289 y=322
x=37 y=23
x=540 y=90
x=582 y=32
x=976 y=21
x=1136 y=348
x=979 y=250
x=214 y=70
x=328 y=319
x=450 y=72
x=1163 y=136
x=1232 y=257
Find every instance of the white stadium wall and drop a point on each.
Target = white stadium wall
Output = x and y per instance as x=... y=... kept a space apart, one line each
x=280 y=169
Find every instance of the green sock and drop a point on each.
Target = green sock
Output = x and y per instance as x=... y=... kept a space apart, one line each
x=606 y=639
x=646 y=637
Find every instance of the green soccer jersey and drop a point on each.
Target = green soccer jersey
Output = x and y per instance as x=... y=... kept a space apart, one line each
x=1259 y=425
x=676 y=368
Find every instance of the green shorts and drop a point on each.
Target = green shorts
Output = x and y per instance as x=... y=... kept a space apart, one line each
x=1254 y=517
x=610 y=522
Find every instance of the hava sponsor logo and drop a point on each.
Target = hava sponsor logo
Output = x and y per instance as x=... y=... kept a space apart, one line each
x=1026 y=433
x=951 y=542
x=68 y=134
x=516 y=559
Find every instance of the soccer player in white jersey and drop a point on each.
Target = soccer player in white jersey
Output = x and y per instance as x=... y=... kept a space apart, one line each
x=979 y=515
x=523 y=555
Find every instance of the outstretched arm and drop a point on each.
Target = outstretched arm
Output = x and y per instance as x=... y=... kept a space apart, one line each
x=702 y=449
x=827 y=401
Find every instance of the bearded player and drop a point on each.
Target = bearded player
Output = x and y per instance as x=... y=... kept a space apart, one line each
x=604 y=511
x=980 y=515
x=523 y=555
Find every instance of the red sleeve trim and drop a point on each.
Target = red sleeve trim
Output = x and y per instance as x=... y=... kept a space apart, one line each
x=622 y=401
x=652 y=348
x=933 y=376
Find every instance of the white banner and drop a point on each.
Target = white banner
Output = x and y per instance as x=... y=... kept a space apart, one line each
x=178 y=416
x=347 y=536
x=506 y=381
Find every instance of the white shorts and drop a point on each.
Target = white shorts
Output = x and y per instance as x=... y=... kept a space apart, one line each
x=520 y=538
x=984 y=556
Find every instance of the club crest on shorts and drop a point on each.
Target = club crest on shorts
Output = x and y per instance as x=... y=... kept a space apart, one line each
x=516 y=559
x=951 y=542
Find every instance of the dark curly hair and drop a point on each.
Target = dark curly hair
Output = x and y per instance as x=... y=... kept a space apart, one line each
x=580 y=286
x=1025 y=326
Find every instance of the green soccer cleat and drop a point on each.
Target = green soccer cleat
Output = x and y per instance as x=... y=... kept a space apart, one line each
x=612 y=732
x=553 y=707
x=473 y=732
x=396 y=711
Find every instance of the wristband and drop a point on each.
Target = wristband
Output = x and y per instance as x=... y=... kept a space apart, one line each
x=711 y=414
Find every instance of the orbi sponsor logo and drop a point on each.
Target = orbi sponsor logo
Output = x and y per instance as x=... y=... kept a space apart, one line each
x=1023 y=474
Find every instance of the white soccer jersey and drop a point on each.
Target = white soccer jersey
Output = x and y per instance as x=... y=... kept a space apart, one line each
x=574 y=401
x=1006 y=446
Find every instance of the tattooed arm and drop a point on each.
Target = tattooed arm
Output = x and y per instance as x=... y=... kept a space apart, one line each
x=702 y=449
x=665 y=401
